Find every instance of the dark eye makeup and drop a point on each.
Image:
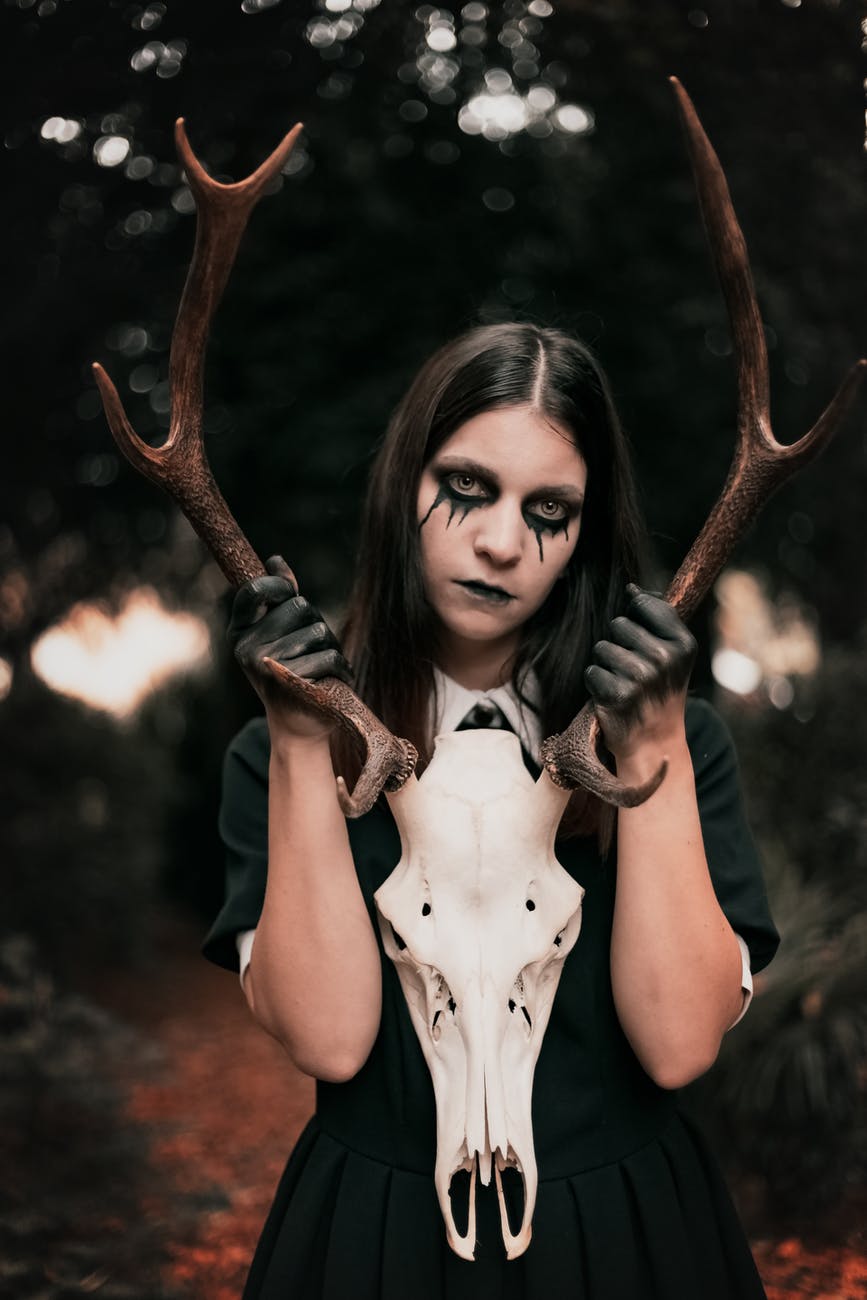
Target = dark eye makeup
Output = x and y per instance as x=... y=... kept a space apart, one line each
x=456 y=489
x=464 y=491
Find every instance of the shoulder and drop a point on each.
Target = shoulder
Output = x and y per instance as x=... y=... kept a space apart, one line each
x=731 y=852
x=249 y=750
x=710 y=742
x=706 y=733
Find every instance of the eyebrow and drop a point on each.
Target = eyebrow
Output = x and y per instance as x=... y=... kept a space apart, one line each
x=451 y=464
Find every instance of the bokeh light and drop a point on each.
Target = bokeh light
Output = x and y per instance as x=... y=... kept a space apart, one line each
x=113 y=662
x=763 y=645
x=111 y=150
x=494 y=103
x=61 y=129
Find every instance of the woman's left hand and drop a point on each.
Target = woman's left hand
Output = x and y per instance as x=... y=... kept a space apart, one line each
x=639 y=677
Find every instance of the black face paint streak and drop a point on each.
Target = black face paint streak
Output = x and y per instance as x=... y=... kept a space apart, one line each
x=539 y=527
x=455 y=503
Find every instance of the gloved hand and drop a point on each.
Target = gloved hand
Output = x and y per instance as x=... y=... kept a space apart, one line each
x=639 y=678
x=270 y=620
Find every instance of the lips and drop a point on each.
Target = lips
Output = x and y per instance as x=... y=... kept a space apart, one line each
x=486 y=591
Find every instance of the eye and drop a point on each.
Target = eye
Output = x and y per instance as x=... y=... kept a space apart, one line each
x=464 y=485
x=551 y=511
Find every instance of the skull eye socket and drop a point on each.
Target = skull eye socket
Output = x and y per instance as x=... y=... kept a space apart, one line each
x=530 y=905
x=401 y=943
x=558 y=939
x=425 y=909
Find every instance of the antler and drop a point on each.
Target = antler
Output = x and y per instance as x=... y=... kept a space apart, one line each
x=180 y=465
x=759 y=466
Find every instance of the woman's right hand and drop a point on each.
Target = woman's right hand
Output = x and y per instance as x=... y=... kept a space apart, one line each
x=270 y=620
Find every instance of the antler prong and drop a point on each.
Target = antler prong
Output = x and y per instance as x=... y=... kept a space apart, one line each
x=826 y=426
x=137 y=452
x=759 y=466
x=339 y=703
x=201 y=181
x=572 y=760
x=181 y=467
x=731 y=259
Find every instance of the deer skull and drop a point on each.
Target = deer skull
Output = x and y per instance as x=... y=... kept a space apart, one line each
x=478 y=917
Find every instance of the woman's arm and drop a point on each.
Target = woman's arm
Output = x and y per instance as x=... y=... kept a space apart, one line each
x=675 y=961
x=314 y=979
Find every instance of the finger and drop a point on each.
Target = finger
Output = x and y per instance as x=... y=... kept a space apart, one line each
x=324 y=663
x=609 y=689
x=317 y=636
x=277 y=565
x=632 y=636
x=283 y=619
x=654 y=613
x=256 y=595
x=619 y=660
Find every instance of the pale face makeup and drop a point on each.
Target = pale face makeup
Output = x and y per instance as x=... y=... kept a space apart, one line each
x=499 y=510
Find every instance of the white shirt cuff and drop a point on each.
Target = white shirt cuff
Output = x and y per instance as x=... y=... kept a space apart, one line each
x=244 y=944
x=746 y=980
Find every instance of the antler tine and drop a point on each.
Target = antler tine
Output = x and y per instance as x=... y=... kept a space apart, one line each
x=729 y=251
x=181 y=467
x=759 y=466
x=390 y=761
x=223 y=211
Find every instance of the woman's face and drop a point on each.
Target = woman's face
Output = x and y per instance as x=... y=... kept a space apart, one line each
x=499 y=510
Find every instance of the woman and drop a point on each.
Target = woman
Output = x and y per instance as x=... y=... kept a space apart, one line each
x=499 y=552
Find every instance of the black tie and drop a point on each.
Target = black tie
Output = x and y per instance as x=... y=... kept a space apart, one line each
x=485 y=714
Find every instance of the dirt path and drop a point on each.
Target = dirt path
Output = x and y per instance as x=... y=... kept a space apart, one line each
x=224 y=1107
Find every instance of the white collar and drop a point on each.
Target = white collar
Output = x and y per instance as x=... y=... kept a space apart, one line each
x=453 y=702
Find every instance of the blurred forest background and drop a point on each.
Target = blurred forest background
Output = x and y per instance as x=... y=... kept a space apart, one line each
x=485 y=162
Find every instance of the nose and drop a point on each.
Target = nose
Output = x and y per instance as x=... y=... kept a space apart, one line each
x=499 y=535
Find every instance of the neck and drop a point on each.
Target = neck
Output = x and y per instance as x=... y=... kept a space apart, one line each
x=477 y=665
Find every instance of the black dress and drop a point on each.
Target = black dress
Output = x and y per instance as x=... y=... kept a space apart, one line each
x=630 y=1204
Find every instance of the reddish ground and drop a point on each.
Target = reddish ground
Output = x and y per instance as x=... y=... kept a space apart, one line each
x=224 y=1106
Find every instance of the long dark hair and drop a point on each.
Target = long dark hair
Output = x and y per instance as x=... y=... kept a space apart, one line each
x=389 y=633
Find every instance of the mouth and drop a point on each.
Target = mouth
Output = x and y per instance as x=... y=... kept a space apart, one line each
x=485 y=591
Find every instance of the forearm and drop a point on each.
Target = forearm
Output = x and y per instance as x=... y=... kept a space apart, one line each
x=314 y=980
x=675 y=961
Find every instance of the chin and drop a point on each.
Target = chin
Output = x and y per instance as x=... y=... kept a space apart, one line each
x=481 y=627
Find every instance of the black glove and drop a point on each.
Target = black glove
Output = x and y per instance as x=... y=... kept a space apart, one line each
x=643 y=667
x=270 y=620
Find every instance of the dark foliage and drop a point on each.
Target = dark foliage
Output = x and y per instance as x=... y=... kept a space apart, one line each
x=73 y=1218
x=788 y=1096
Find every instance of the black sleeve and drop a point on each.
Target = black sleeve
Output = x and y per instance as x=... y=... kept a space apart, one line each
x=732 y=857
x=243 y=829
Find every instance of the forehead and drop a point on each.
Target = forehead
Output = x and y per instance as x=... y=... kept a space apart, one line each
x=519 y=445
